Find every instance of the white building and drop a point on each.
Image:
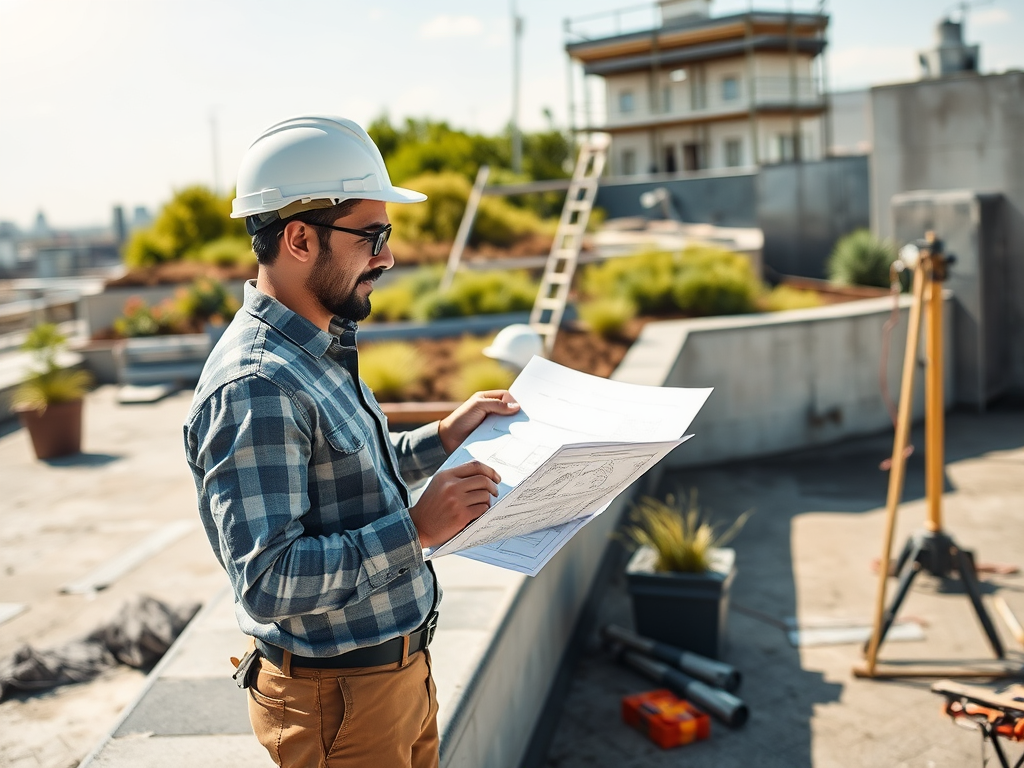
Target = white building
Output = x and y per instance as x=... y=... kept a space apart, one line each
x=696 y=92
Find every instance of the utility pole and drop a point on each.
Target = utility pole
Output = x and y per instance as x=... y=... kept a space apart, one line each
x=517 y=139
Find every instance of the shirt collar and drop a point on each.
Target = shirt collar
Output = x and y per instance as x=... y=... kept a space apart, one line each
x=295 y=327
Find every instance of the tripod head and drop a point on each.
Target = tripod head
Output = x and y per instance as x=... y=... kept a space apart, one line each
x=928 y=253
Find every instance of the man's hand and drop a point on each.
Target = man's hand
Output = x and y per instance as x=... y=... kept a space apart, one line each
x=467 y=417
x=455 y=498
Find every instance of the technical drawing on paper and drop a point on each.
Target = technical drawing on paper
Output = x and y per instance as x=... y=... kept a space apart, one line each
x=574 y=482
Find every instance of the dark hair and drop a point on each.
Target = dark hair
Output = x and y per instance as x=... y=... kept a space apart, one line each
x=266 y=242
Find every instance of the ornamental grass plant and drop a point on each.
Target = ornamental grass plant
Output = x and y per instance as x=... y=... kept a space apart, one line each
x=678 y=533
x=48 y=382
x=860 y=258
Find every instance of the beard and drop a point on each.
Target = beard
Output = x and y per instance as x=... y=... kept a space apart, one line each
x=335 y=287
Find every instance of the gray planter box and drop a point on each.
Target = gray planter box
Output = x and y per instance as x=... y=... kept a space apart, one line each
x=687 y=610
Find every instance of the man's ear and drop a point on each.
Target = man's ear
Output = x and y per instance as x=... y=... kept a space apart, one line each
x=299 y=241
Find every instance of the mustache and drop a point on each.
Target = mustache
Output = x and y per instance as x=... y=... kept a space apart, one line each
x=372 y=275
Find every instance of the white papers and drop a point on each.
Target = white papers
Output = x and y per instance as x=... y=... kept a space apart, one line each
x=576 y=443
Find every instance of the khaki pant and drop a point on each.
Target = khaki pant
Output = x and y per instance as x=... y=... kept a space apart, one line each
x=384 y=717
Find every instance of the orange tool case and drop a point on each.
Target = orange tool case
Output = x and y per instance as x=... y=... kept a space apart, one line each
x=665 y=719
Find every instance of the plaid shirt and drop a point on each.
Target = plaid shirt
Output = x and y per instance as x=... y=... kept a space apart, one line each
x=302 y=488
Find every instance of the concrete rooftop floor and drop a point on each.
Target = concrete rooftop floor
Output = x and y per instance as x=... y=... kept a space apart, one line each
x=807 y=552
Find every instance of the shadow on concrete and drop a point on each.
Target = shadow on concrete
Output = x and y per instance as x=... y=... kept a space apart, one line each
x=84 y=460
x=782 y=696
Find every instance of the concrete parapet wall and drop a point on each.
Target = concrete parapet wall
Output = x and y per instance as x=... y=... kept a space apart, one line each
x=99 y=310
x=784 y=381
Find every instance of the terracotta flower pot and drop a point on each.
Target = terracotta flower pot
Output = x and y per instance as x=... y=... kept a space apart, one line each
x=687 y=610
x=55 y=432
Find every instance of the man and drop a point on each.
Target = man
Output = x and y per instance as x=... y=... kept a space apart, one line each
x=302 y=489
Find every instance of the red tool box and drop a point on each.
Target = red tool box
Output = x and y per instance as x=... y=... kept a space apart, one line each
x=665 y=719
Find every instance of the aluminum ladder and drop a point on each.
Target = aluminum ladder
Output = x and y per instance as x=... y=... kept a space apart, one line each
x=549 y=307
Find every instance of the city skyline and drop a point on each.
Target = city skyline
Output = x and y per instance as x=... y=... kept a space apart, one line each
x=115 y=103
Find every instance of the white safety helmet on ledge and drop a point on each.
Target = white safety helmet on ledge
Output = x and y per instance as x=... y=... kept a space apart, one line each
x=515 y=345
x=306 y=163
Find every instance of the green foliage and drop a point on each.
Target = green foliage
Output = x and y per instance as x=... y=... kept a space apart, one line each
x=48 y=382
x=417 y=296
x=471 y=348
x=437 y=219
x=228 y=251
x=860 y=258
x=192 y=218
x=206 y=301
x=480 y=376
x=417 y=147
x=390 y=368
x=783 y=297
x=140 y=319
x=480 y=293
x=682 y=540
x=700 y=280
x=609 y=316
x=721 y=290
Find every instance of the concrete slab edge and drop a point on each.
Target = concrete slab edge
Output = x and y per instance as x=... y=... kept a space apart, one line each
x=208 y=607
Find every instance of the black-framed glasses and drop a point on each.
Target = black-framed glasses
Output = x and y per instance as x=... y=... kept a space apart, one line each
x=376 y=236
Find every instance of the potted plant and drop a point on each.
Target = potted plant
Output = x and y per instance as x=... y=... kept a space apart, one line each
x=680 y=576
x=49 y=400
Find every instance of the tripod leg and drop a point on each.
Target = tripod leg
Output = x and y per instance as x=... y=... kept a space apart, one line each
x=907 y=574
x=969 y=576
x=908 y=550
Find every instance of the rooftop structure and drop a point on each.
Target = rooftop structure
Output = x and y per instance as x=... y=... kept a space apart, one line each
x=950 y=55
x=691 y=91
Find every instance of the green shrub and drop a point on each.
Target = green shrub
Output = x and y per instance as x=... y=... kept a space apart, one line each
x=608 y=317
x=699 y=280
x=437 y=219
x=206 y=300
x=193 y=217
x=227 y=252
x=390 y=368
x=721 y=290
x=860 y=258
x=783 y=297
x=140 y=319
x=392 y=302
x=471 y=348
x=480 y=376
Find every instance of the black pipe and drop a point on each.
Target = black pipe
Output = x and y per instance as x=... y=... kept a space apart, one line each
x=716 y=673
x=721 y=704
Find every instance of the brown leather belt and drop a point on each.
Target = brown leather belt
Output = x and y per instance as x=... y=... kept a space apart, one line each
x=388 y=652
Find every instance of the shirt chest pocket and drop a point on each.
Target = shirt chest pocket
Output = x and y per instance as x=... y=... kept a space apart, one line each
x=344 y=436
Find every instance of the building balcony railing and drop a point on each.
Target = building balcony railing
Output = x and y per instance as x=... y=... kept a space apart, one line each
x=695 y=104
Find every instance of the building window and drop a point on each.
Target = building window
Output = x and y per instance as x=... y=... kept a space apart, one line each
x=666 y=98
x=626 y=102
x=670 y=158
x=789 y=147
x=628 y=162
x=694 y=157
x=733 y=153
x=730 y=88
x=698 y=88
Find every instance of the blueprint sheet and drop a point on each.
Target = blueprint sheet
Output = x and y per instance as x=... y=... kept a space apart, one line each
x=575 y=444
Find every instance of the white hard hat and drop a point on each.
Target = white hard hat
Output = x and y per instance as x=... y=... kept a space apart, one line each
x=305 y=159
x=515 y=345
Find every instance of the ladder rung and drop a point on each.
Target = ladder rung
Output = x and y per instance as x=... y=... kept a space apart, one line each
x=559 y=278
x=545 y=328
x=547 y=303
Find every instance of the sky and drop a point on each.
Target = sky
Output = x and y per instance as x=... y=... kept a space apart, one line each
x=121 y=102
